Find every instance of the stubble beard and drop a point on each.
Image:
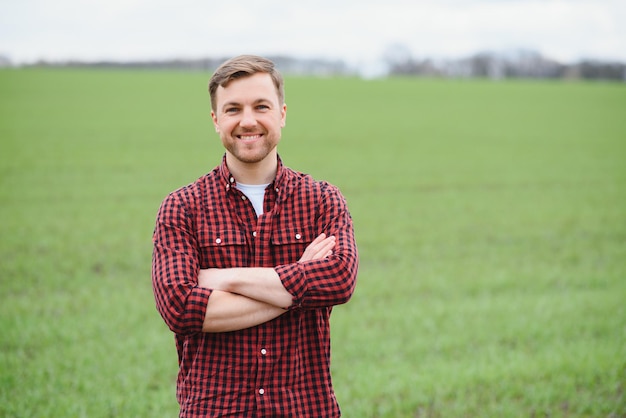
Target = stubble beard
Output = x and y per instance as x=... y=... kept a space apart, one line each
x=251 y=155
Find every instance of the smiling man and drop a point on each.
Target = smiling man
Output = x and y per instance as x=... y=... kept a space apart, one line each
x=248 y=262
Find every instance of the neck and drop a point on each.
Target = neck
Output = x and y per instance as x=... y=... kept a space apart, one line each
x=262 y=172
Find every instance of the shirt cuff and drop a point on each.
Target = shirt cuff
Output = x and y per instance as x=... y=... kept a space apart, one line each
x=293 y=278
x=196 y=306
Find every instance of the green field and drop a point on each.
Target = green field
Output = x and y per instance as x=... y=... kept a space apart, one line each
x=490 y=218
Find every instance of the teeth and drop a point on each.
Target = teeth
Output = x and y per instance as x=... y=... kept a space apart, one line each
x=249 y=136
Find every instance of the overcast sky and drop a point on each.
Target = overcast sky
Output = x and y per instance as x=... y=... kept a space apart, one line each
x=353 y=30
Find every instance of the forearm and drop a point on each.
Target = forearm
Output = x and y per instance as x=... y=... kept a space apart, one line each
x=258 y=283
x=262 y=284
x=231 y=312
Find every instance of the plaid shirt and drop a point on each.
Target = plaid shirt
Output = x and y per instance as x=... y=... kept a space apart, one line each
x=280 y=368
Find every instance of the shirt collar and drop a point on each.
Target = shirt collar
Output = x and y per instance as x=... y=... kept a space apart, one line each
x=229 y=182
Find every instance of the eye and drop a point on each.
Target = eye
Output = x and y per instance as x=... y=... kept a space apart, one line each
x=263 y=107
x=231 y=110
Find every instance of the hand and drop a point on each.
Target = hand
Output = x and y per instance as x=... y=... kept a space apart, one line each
x=320 y=247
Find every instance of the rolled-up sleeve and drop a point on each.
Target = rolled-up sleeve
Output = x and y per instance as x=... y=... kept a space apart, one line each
x=175 y=266
x=330 y=281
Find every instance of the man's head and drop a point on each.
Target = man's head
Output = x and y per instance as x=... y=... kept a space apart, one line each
x=248 y=112
x=244 y=66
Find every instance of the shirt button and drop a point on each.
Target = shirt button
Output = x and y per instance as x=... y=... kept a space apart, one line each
x=243 y=198
x=254 y=234
x=218 y=241
x=298 y=236
x=263 y=351
x=261 y=391
x=232 y=179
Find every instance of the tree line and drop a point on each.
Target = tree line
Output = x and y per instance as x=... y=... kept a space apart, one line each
x=395 y=61
x=513 y=64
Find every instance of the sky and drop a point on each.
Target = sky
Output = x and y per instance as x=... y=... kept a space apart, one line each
x=356 y=31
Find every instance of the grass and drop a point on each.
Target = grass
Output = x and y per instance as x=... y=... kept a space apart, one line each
x=490 y=217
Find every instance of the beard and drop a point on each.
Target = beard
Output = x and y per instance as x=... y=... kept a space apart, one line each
x=250 y=153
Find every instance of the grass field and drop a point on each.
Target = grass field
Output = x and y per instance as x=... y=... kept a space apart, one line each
x=490 y=217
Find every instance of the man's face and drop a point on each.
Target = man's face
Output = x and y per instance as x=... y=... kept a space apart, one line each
x=249 y=118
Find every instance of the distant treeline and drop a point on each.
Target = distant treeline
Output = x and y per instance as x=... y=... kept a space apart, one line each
x=287 y=65
x=519 y=64
x=494 y=65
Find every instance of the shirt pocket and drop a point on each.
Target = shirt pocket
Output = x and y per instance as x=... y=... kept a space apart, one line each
x=223 y=249
x=290 y=242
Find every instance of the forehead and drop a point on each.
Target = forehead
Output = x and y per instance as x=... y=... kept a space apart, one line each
x=252 y=88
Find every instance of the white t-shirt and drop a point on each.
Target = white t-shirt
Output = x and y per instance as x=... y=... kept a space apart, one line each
x=256 y=193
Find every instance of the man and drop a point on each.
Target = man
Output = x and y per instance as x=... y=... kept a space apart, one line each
x=248 y=262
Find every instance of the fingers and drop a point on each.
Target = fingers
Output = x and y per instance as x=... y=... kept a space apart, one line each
x=324 y=247
x=321 y=237
x=319 y=248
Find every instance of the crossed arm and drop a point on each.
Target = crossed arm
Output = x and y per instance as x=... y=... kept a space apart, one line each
x=192 y=300
x=245 y=297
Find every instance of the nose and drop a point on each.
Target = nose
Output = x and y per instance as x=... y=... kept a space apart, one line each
x=247 y=118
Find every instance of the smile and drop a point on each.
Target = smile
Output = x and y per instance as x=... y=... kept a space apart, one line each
x=249 y=137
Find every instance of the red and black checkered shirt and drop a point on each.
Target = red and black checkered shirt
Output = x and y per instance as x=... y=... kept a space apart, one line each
x=280 y=368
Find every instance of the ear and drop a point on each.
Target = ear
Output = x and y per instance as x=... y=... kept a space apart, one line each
x=215 y=124
x=283 y=115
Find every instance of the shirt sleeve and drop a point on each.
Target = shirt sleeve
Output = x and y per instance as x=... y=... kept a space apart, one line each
x=330 y=281
x=175 y=267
